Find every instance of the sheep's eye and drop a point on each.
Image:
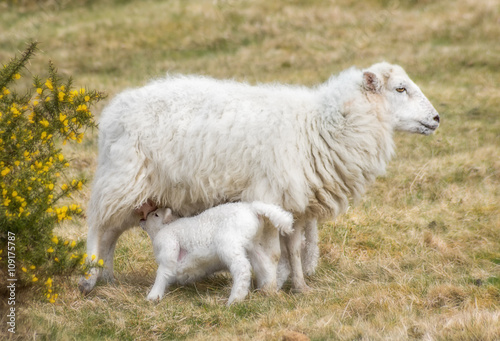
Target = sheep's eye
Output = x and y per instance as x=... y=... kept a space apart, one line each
x=401 y=89
x=156 y=215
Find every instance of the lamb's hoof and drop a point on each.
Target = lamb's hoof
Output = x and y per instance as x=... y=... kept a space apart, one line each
x=155 y=298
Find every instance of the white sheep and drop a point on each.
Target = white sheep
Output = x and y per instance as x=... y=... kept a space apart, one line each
x=225 y=237
x=192 y=142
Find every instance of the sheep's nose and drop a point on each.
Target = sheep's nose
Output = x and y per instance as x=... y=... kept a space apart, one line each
x=436 y=118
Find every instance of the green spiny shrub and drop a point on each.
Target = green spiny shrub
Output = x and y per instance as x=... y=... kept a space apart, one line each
x=33 y=177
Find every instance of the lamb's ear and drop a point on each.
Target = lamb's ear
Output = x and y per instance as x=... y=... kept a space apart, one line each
x=167 y=216
x=371 y=82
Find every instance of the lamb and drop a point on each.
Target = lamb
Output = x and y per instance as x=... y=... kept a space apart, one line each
x=223 y=237
x=192 y=142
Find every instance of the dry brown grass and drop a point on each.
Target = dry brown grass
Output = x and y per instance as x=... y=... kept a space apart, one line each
x=417 y=258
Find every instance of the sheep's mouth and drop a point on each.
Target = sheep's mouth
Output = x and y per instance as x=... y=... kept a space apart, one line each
x=431 y=127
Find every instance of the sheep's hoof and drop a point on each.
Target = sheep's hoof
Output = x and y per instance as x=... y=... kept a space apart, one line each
x=86 y=285
x=302 y=289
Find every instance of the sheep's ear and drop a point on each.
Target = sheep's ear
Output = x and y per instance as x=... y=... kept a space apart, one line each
x=167 y=216
x=371 y=82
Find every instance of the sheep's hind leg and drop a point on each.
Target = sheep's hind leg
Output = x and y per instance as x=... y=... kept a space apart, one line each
x=88 y=282
x=293 y=243
x=310 y=250
x=101 y=244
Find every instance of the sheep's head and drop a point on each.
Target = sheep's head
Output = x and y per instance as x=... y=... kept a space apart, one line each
x=411 y=110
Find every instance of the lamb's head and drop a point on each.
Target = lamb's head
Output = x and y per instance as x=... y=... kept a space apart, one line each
x=156 y=220
x=410 y=109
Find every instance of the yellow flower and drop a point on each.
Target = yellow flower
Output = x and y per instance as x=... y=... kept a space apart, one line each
x=55 y=240
x=73 y=243
x=50 y=250
x=39 y=91
x=49 y=282
x=34 y=279
x=62 y=117
x=5 y=171
x=48 y=84
x=82 y=91
x=81 y=107
x=16 y=76
x=64 y=187
x=61 y=96
x=24 y=269
x=60 y=157
x=45 y=123
x=87 y=98
x=93 y=257
x=6 y=91
x=100 y=262
x=6 y=202
x=32 y=267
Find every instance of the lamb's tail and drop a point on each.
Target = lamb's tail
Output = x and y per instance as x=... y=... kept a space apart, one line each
x=280 y=218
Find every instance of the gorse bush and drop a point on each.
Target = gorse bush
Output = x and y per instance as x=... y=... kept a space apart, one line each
x=34 y=186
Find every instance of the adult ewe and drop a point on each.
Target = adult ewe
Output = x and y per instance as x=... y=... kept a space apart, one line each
x=191 y=143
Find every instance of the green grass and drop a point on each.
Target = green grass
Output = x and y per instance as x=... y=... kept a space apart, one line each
x=417 y=258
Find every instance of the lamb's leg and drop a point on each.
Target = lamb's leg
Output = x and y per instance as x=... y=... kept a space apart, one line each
x=264 y=256
x=293 y=244
x=310 y=250
x=164 y=277
x=265 y=269
x=101 y=243
x=241 y=271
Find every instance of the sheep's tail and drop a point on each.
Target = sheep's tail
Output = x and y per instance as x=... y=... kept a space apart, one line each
x=280 y=218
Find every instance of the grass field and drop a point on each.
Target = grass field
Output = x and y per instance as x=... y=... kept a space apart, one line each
x=417 y=258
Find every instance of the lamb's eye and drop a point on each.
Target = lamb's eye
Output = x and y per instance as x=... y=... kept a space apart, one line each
x=401 y=89
x=156 y=215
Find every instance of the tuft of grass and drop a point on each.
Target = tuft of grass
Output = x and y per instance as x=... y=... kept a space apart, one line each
x=417 y=258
